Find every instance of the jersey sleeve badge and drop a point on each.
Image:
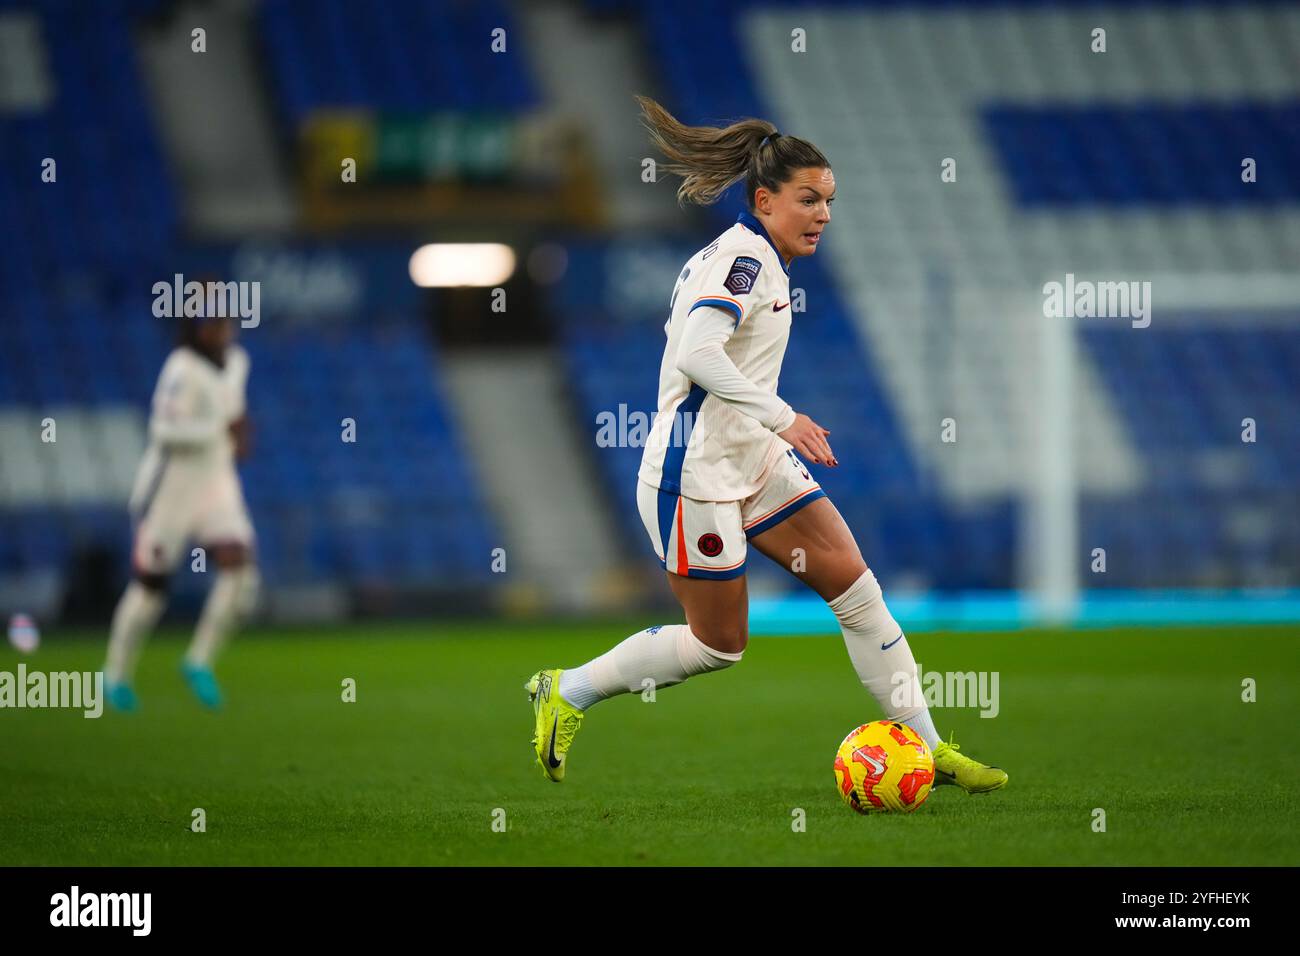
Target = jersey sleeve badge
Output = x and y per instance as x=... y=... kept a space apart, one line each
x=744 y=271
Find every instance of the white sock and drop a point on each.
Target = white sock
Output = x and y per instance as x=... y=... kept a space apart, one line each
x=665 y=654
x=231 y=597
x=880 y=655
x=134 y=618
x=924 y=725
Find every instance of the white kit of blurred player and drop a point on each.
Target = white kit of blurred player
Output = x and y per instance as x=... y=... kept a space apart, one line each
x=187 y=490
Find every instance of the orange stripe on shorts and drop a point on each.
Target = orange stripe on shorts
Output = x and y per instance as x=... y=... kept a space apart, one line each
x=683 y=559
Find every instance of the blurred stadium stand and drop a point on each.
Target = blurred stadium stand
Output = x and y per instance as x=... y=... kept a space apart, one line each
x=1111 y=166
x=397 y=511
x=402 y=55
x=921 y=306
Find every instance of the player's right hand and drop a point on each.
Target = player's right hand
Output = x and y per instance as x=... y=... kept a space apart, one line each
x=809 y=440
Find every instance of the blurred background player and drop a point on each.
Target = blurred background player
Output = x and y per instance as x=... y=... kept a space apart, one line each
x=187 y=489
x=720 y=469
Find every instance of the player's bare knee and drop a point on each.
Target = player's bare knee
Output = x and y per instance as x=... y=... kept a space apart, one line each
x=152 y=581
x=230 y=555
x=730 y=639
x=840 y=579
x=699 y=654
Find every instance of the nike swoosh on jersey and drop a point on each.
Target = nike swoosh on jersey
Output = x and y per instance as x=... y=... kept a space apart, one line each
x=778 y=308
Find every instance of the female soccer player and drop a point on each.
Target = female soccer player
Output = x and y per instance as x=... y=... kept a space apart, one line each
x=187 y=489
x=721 y=467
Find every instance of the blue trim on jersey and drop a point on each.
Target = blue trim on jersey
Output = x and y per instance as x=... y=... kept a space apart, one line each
x=750 y=221
x=667 y=511
x=709 y=575
x=720 y=304
x=671 y=478
x=784 y=513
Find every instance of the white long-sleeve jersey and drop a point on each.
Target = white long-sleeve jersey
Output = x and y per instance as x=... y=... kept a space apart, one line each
x=194 y=403
x=715 y=430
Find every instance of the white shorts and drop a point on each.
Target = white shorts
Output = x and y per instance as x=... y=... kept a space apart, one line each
x=178 y=509
x=707 y=539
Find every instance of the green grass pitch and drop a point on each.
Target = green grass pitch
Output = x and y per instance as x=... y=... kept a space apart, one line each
x=1148 y=725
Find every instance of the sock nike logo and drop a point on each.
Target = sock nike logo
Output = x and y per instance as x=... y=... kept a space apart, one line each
x=885 y=647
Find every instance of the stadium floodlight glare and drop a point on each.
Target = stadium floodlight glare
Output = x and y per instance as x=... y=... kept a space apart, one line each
x=441 y=264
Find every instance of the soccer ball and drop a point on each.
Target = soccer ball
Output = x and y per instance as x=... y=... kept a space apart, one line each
x=884 y=766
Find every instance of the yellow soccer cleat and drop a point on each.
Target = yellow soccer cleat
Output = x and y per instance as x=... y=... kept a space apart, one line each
x=557 y=722
x=955 y=769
